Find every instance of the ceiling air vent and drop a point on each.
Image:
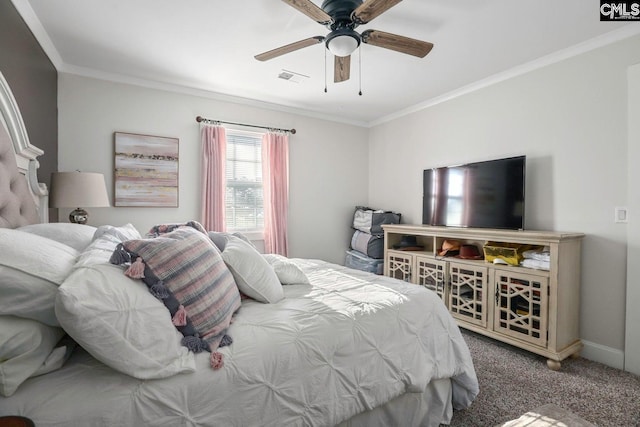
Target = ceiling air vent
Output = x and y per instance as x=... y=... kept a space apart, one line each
x=292 y=76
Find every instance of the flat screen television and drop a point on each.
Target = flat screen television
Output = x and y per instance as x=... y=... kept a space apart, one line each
x=488 y=194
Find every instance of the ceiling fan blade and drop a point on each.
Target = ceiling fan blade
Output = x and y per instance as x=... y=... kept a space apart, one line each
x=341 y=68
x=370 y=9
x=265 y=56
x=398 y=43
x=311 y=10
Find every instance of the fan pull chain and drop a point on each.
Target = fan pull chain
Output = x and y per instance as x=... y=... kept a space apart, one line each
x=360 y=69
x=325 y=70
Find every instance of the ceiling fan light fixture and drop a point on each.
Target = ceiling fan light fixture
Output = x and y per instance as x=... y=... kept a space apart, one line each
x=342 y=17
x=343 y=43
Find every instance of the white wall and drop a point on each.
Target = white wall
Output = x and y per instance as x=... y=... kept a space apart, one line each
x=328 y=160
x=632 y=339
x=569 y=119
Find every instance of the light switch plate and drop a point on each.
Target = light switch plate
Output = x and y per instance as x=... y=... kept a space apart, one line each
x=621 y=215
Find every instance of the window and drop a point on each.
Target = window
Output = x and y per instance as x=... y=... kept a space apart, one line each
x=244 y=195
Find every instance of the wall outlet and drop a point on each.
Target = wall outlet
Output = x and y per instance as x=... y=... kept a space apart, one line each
x=621 y=214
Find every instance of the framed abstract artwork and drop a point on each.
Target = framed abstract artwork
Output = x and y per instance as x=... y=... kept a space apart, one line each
x=146 y=170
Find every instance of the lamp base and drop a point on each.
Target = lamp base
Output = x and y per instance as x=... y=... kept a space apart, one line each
x=78 y=216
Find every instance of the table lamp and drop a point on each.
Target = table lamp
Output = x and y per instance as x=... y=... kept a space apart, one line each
x=75 y=189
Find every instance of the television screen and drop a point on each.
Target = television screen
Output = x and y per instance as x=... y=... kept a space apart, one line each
x=487 y=194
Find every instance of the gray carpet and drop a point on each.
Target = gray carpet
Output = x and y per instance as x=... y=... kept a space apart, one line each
x=513 y=382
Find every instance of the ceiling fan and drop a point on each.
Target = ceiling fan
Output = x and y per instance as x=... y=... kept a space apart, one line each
x=342 y=17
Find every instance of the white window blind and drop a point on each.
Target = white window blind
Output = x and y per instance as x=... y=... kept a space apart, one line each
x=244 y=195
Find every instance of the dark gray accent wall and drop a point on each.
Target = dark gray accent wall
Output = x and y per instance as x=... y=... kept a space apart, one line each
x=34 y=82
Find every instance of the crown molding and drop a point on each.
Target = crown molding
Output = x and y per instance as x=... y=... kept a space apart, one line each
x=186 y=90
x=31 y=19
x=589 y=45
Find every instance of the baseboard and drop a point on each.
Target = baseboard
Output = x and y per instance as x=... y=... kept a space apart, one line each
x=603 y=354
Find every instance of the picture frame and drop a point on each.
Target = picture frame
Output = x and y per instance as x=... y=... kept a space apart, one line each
x=146 y=170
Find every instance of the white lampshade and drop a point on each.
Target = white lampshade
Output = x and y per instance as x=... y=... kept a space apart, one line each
x=342 y=45
x=76 y=190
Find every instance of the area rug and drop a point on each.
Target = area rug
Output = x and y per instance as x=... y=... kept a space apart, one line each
x=549 y=415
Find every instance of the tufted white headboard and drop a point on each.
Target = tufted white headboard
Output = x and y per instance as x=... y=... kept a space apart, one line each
x=23 y=200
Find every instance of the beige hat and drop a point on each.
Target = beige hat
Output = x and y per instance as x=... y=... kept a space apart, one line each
x=449 y=247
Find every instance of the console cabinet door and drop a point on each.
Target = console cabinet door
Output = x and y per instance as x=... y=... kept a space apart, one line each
x=400 y=265
x=521 y=306
x=432 y=274
x=468 y=293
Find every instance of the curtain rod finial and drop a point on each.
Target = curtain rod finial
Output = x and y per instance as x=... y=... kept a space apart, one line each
x=293 y=131
x=199 y=119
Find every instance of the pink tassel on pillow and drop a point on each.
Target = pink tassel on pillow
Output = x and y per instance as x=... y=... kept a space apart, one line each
x=216 y=360
x=136 y=270
x=180 y=318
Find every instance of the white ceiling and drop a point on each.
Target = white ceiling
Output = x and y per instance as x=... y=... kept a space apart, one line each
x=210 y=45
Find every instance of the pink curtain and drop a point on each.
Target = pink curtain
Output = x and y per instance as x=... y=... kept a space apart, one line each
x=275 y=181
x=214 y=160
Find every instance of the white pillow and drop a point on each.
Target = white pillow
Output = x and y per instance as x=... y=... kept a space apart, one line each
x=57 y=357
x=288 y=272
x=31 y=269
x=105 y=240
x=123 y=232
x=252 y=273
x=120 y=323
x=78 y=236
x=25 y=345
x=220 y=238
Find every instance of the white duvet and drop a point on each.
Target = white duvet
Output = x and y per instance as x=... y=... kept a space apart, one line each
x=348 y=343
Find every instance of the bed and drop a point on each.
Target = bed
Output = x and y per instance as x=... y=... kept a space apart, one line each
x=87 y=340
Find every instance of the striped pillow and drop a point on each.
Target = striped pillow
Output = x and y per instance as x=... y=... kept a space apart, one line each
x=186 y=271
x=160 y=229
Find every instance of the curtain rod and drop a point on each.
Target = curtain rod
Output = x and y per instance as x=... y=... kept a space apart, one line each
x=209 y=121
